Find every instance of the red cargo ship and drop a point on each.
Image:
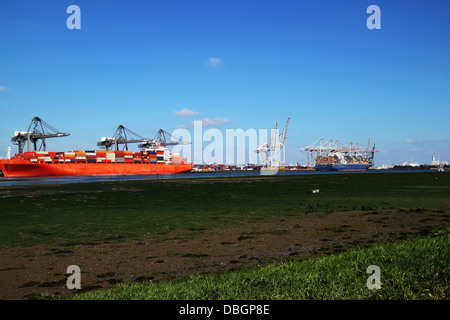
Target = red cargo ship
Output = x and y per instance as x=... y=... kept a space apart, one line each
x=99 y=162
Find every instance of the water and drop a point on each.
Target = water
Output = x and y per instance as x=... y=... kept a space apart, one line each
x=83 y=179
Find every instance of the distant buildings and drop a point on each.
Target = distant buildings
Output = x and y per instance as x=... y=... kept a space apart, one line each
x=437 y=162
x=434 y=163
x=411 y=163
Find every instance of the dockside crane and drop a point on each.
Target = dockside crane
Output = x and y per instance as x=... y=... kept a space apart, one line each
x=283 y=139
x=39 y=130
x=163 y=138
x=122 y=136
x=271 y=149
x=323 y=148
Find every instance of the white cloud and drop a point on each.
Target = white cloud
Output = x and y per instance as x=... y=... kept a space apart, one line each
x=415 y=141
x=420 y=141
x=208 y=122
x=3 y=88
x=185 y=112
x=214 y=62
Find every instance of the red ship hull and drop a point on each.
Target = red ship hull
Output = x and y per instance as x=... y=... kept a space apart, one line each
x=26 y=168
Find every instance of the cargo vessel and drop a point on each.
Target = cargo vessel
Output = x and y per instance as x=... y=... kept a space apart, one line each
x=155 y=160
x=341 y=162
x=332 y=155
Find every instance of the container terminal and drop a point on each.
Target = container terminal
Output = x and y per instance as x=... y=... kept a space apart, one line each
x=153 y=158
x=333 y=155
x=113 y=157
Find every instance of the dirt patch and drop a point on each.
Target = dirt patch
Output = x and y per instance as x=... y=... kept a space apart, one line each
x=34 y=272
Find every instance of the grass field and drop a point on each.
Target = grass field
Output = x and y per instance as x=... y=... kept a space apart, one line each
x=167 y=229
x=98 y=211
x=413 y=269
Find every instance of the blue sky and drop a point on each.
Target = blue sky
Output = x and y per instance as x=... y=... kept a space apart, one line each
x=244 y=64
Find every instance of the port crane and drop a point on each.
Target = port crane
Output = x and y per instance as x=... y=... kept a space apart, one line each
x=122 y=136
x=271 y=150
x=323 y=148
x=163 y=138
x=125 y=136
x=39 y=130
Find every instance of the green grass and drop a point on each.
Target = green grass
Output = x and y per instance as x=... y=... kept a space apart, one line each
x=413 y=269
x=97 y=212
x=69 y=214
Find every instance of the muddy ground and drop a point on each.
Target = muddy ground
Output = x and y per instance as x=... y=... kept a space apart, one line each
x=40 y=271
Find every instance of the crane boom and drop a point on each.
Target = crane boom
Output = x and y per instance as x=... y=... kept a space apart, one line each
x=125 y=136
x=121 y=136
x=38 y=130
x=163 y=138
x=285 y=131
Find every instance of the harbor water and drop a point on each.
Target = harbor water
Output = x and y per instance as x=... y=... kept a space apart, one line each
x=189 y=175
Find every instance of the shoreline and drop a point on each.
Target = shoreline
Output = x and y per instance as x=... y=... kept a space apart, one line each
x=49 y=180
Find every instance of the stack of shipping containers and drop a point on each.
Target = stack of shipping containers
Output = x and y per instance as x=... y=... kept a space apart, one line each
x=157 y=154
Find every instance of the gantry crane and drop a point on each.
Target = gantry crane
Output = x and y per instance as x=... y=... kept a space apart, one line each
x=163 y=138
x=324 y=148
x=38 y=130
x=125 y=136
x=122 y=136
x=271 y=150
